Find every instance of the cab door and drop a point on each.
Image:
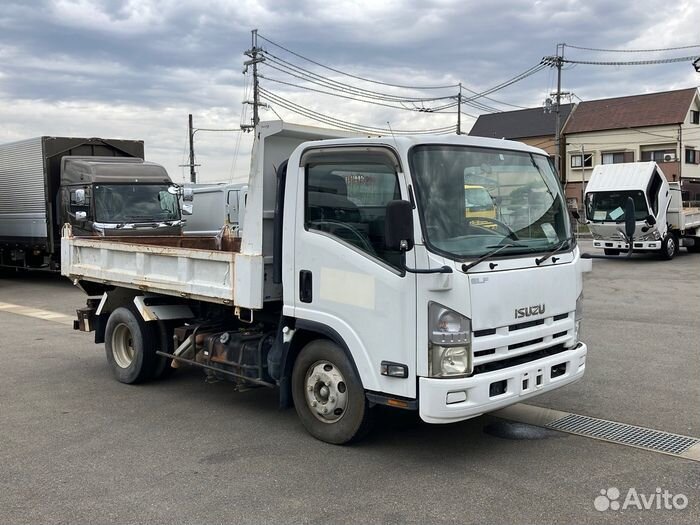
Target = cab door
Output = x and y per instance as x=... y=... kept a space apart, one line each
x=345 y=279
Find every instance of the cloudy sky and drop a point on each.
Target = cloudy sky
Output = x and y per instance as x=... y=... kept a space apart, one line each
x=135 y=69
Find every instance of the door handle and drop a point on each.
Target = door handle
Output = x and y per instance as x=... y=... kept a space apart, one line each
x=305 y=286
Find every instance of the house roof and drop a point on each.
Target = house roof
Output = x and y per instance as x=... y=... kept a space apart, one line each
x=636 y=111
x=523 y=123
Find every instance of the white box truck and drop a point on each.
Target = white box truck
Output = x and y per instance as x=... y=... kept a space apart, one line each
x=358 y=280
x=662 y=224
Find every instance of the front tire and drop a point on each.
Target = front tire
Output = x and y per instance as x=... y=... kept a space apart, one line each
x=669 y=247
x=328 y=394
x=130 y=346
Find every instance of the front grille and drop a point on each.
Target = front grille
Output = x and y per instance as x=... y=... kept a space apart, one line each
x=525 y=343
x=504 y=342
x=625 y=434
x=518 y=360
x=526 y=324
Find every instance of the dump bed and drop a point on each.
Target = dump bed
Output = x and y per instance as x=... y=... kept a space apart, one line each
x=204 y=268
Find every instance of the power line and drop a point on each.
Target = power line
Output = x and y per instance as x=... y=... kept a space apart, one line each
x=297 y=108
x=330 y=84
x=310 y=76
x=469 y=100
x=632 y=62
x=662 y=49
x=269 y=79
x=445 y=86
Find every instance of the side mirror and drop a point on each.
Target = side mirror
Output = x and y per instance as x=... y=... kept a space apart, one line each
x=630 y=221
x=398 y=226
x=187 y=194
x=650 y=220
x=186 y=209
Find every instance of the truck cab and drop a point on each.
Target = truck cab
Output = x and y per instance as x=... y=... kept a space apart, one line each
x=662 y=225
x=468 y=313
x=113 y=196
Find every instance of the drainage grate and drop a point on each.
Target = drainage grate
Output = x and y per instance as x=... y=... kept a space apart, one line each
x=624 y=434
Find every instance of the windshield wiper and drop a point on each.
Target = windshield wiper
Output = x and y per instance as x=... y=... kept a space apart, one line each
x=500 y=247
x=558 y=247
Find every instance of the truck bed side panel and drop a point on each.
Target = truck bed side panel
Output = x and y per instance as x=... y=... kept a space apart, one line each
x=206 y=275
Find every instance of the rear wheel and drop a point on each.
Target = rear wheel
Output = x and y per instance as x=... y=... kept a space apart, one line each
x=328 y=395
x=695 y=248
x=669 y=247
x=609 y=251
x=130 y=346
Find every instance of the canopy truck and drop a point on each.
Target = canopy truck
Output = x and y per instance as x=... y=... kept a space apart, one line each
x=100 y=186
x=356 y=281
x=662 y=224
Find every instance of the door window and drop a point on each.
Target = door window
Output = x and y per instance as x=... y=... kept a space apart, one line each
x=347 y=200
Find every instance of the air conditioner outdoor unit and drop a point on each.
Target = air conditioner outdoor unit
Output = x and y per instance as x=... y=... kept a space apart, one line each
x=669 y=158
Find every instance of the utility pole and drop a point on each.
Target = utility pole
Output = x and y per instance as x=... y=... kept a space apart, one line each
x=557 y=132
x=193 y=174
x=459 y=110
x=255 y=58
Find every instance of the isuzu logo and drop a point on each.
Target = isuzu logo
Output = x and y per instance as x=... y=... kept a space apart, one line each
x=529 y=311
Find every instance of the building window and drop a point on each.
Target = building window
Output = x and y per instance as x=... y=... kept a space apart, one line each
x=587 y=161
x=694 y=116
x=616 y=158
x=692 y=156
x=662 y=155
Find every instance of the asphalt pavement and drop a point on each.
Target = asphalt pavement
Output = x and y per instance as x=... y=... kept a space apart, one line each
x=79 y=447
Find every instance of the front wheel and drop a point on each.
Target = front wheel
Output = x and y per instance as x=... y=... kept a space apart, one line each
x=669 y=247
x=328 y=394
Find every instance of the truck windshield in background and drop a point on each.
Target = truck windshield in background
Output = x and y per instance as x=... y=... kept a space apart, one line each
x=135 y=203
x=526 y=207
x=610 y=205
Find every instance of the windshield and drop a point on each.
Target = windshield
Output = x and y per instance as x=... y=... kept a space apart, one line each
x=610 y=205
x=520 y=204
x=135 y=203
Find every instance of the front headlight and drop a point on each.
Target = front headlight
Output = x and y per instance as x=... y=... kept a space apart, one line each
x=578 y=317
x=450 y=342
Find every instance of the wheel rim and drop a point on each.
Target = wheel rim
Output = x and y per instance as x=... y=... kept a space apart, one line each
x=326 y=392
x=123 y=346
x=670 y=246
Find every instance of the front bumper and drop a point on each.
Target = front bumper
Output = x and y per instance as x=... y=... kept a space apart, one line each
x=619 y=245
x=472 y=396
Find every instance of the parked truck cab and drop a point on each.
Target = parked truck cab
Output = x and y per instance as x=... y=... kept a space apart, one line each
x=358 y=280
x=110 y=196
x=662 y=224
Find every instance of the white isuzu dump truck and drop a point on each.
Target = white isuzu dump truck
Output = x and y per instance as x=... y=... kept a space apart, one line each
x=357 y=280
x=662 y=224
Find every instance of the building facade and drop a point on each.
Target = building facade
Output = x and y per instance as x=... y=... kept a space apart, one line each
x=663 y=127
